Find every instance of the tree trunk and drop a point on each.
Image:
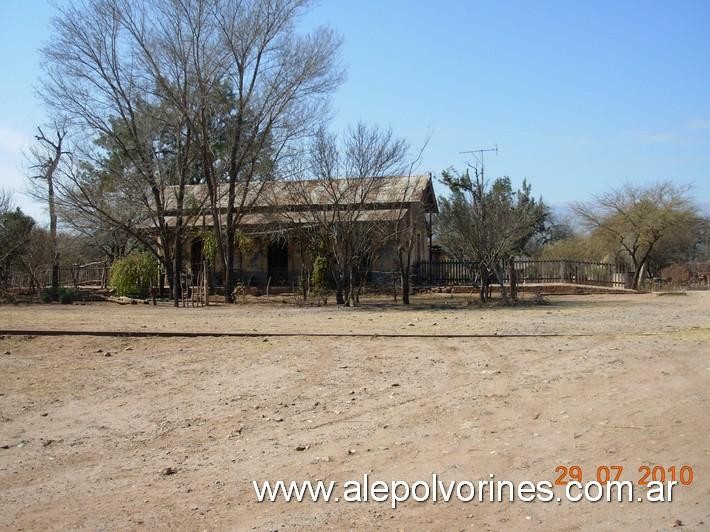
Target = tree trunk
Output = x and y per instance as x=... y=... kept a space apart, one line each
x=350 y=300
x=501 y=281
x=513 y=280
x=339 y=296
x=405 y=259
x=405 y=286
x=641 y=267
x=53 y=232
x=638 y=275
x=483 y=273
x=55 y=272
x=229 y=267
x=168 y=264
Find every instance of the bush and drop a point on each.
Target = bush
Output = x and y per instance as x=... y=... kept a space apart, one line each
x=319 y=280
x=49 y=294
x=239 y=294
x=6 y=297
x=134 y=274
x=209 y=247
x=320 y=271
x=66 y=296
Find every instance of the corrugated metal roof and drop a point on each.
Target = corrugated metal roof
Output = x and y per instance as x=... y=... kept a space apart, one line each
x=345 y=191
x=283 y=218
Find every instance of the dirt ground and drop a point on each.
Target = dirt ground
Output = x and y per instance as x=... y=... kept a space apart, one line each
x=85 y=437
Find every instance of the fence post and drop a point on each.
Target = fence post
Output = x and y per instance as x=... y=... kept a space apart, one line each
x=205 y=282
x=104 y=275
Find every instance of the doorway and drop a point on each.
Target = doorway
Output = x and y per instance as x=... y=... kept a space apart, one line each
x=195 y=258
x=277 y=262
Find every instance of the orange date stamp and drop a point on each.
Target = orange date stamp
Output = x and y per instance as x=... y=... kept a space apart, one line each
x=684 y=475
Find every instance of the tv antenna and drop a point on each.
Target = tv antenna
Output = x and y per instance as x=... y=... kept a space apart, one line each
x=478 y=154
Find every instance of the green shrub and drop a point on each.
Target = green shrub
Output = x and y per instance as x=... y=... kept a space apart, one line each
x=209 y=247
x=320 y=270
x=66 y=296
x=49 y=294
x=134 y=274
x=319 y=280
x=244 y=243
x=6 y=297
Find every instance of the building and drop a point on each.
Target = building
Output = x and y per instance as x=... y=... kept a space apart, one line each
x=278 y=219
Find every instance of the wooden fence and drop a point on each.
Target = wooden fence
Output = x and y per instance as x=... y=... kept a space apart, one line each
x=93 y=274
x=437 y=273
x=442 y=273
x=446 y=272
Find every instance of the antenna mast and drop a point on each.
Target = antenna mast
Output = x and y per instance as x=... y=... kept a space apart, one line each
x=479 y=157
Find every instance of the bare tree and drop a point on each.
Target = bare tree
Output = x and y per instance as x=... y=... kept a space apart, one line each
x=5 y=200
x=137 y=153
x=280 y=81
x=257 y=87
x=45 y=156
x=335 y=189
x=637 y=218
x=403 y=230
x=106 y=241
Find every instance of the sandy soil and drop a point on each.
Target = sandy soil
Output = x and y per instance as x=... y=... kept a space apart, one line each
x=85 y=436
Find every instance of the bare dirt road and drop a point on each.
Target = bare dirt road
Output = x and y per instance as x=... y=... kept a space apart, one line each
x=86 y=437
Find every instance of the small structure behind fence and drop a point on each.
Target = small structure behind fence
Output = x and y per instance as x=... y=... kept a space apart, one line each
x=443 y=273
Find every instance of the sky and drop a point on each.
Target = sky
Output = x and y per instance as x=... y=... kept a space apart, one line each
x=578 y=97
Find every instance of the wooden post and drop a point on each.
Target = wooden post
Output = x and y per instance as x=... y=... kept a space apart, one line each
x=205 y=281
x=191 y=287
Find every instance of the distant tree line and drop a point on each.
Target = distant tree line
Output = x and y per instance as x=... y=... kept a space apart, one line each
x=30 y=249
x=644 y=227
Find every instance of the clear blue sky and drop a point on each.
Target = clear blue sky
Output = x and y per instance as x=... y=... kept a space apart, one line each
x=578 y=97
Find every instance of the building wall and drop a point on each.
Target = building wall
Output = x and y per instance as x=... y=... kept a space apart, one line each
x=254 y=261
x=388 y=260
